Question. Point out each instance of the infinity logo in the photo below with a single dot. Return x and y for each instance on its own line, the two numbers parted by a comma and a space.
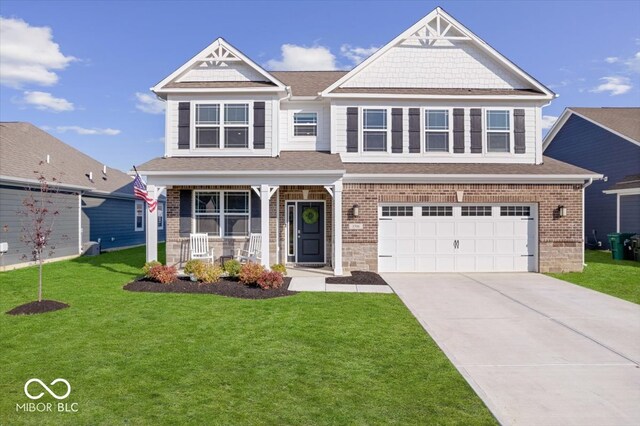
52, 393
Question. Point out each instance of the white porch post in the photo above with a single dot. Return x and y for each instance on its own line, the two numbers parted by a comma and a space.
152, 226
337, 228
264, 223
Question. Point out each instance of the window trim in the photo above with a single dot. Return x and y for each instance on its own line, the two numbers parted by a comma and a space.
222, 126
222, 214
292, 126
160, 209
485, 131
135, 215
361, 130
423, 135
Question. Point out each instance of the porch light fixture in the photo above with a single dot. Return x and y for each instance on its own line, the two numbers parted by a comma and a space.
305, 194
562, 211
356, 210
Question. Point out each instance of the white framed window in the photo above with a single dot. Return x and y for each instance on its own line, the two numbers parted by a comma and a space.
437, 130
160, 216
375, 130
397, 211
476, 211
221, 125
222, 213
305, 124
498, 130
138, 219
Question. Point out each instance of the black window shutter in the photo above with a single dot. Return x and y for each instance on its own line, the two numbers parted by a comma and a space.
185, 212
458, 130
414, 130
476, 130
352, 129
396, 130
255, 212
258, 125
518, 131
184, 124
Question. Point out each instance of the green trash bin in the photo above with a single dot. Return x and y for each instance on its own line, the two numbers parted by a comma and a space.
616, 241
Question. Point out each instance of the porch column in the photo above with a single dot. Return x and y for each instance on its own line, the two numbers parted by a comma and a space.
152, 226
264, 223
337, 228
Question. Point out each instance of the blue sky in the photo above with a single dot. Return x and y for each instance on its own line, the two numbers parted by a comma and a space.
91, 90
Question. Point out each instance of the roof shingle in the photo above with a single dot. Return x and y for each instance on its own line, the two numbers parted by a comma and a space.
625, 121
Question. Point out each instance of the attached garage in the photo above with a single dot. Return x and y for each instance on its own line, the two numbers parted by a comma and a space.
457, 237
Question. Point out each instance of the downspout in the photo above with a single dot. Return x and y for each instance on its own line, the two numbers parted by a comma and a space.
584, 186
277, 122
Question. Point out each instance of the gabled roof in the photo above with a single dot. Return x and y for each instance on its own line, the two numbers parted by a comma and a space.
218, 51
461, 33
621, 121
24, 146
307, 83
627, 185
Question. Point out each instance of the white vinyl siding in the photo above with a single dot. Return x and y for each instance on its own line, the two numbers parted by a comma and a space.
290, 142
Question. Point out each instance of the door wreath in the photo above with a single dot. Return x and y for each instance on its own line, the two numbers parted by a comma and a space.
310, 215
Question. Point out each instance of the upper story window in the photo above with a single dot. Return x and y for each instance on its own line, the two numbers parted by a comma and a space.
498, 130
374, 130
305, 124
231, 132
436, 124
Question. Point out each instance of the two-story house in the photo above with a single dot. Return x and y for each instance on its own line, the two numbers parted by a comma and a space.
427, 156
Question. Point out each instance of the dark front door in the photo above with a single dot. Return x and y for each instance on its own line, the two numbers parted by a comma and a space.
310, 232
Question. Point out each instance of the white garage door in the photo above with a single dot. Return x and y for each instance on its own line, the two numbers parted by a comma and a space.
457, 238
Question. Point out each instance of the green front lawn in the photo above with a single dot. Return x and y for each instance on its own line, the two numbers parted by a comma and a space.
151, 358
619, 278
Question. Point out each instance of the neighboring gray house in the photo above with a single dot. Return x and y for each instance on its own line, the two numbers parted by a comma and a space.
607, 141
96, 203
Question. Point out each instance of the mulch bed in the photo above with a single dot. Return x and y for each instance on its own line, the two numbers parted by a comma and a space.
224, 287
38, 307
358, 277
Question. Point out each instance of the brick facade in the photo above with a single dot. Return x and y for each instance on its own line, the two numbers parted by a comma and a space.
560, 238
560, 242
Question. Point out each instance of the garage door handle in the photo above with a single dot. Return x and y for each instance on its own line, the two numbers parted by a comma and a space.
526, 255
385, 255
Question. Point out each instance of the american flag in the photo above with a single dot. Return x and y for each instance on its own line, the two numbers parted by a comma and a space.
140, 191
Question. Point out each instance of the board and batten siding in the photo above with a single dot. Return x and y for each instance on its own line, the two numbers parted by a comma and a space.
171, 125
112, 220
533, 133
587, 145
65, 235
289, 142
444, 65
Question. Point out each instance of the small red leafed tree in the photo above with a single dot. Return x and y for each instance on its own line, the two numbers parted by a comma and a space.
39, 211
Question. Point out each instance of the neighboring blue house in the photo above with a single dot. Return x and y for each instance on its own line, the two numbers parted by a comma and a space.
607, 141
95, 202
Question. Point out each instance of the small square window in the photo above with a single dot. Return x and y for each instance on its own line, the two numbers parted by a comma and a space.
305, 124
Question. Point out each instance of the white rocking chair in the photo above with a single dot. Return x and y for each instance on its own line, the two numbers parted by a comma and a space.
199, 246
253, 253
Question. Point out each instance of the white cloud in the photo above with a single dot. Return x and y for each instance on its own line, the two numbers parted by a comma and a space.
301, 58
28, 54
633, 63
357, 54
45, 101
615, 85
85, 131
611, 59
548, 121
149, 104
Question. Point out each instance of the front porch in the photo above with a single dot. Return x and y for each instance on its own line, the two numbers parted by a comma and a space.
297, 223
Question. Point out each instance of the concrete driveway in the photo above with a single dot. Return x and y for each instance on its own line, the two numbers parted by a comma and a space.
538, 351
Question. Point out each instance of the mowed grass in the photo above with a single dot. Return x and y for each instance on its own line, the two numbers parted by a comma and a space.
619, 278
168, 359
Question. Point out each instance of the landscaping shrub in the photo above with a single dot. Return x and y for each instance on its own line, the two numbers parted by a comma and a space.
208, 273
250, 273
270, 279
232, 267
163, 274
279, 267
147, 267
193, 266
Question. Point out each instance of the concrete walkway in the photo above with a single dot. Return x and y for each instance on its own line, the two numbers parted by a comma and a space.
537, 350
318, 284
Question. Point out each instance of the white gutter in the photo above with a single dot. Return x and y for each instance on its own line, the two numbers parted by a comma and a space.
241, 173
419, 96
586, 184
14, 179
464, 178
